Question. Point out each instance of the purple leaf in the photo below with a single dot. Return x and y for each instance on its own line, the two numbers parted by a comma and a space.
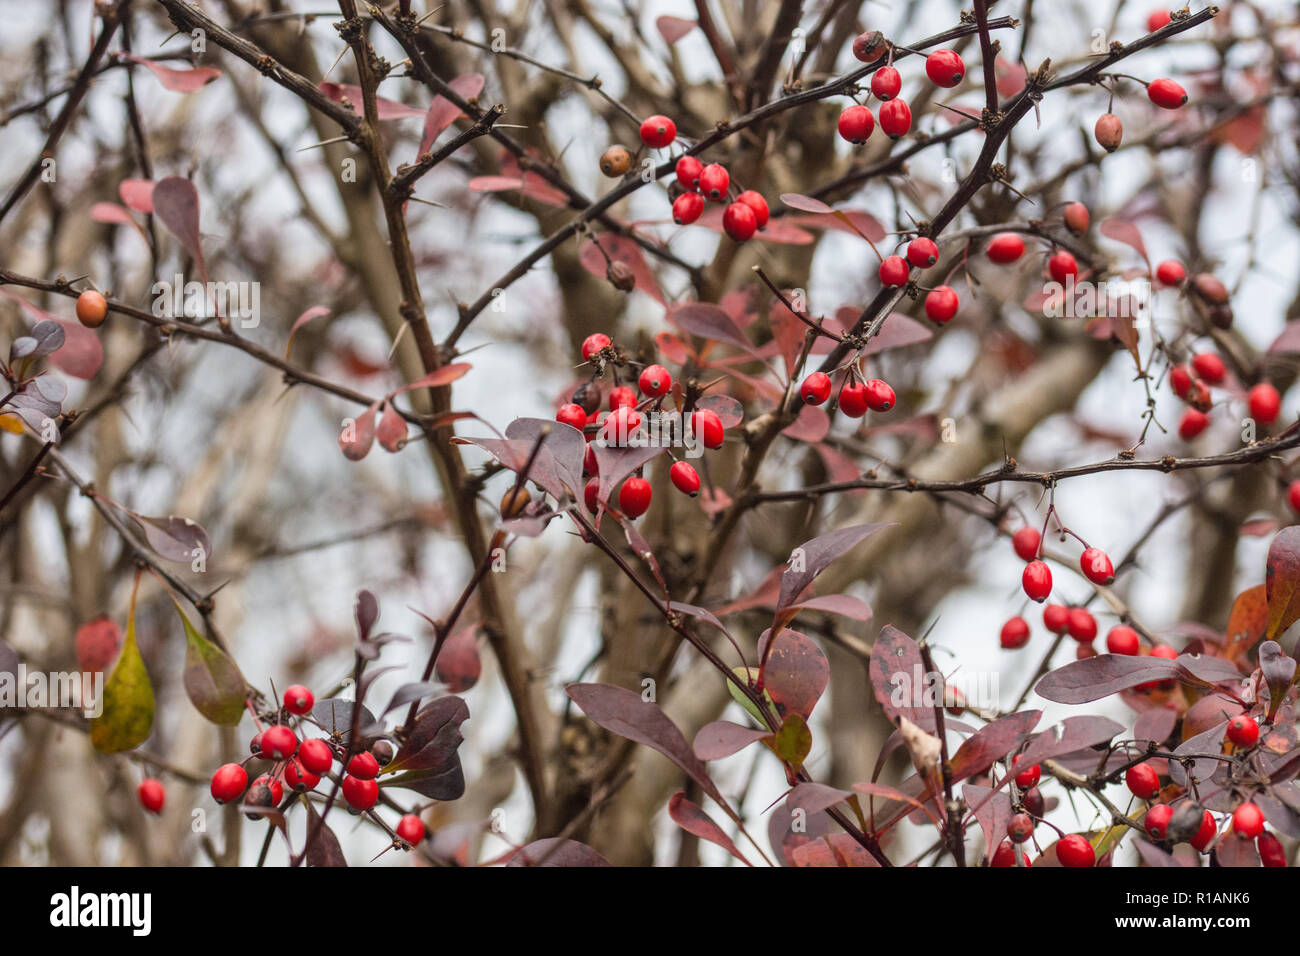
459, 665
896, 663
176, 539
1071, 734
806, 203
1081, 682
622, 712
324, 849
897, 331
796, 673
692, 818
991, 743
813, 557
815, 797
730, 411
433, 741
842, 604
992, 809
176, 203
722, 738
710, 322
553, 851
443, 112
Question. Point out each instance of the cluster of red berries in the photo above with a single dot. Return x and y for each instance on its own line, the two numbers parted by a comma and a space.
1192, 383
624, 420
855, 397
1071, 850
856, 124
300, 765
746, 213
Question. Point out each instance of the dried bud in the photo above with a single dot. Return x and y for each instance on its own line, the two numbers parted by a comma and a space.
1210, 289
514, 501
587, 397
615, 161
1221, 316
1077, 218
620, 276
1185, 822
924, 748
1109, 132
868, 46
259, 795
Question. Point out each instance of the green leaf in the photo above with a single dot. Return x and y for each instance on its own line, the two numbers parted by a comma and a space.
748, 675
793, 742
127, 716
212, 680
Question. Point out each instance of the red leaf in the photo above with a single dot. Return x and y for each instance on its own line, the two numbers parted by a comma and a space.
356, 439
459, 665
552, 851
895, 656
438, 377
443, 112
137, 194
1127, 233
176, 203
813, 557
673, 29
836, 849
1282, 581
991, 743
391, 431
806, 204
113, 213
730, 411
811, 426
179, 81
315, 312
387, 109
1010, 77
673, 348
992, 809
694, 820
815, 797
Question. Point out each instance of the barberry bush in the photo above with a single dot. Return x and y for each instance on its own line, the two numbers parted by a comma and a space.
799, 433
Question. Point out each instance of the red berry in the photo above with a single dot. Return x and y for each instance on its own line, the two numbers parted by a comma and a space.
688, 171
152, 795
279, 742
589, 464
1180, 380
1157, 19
299, 779
1143, 781
739, 221
572, 415
1032, 799
853, 400
707, 427
1026, 542
263, 792
1209, 367
1082, 625
1004, 855
1076, 218
1020, 827
895, 118
658, 132
1109, 132
856, 124
1056, 618
315, 756
654, 381
1122, 639
410, 828
590, 494
885, 83
869, 46
1170, 272
364, 766
1165, 652
1156, 821
893, 271
1037, 581
1247, 821
360, 794
941, 303
634, 497
1084, 650
1198, 396
1293, 496
255, 747
1193, 423
816, 388
1028, 777
1075, 850
945, 68
593, 344
92, 309
687, 208
714, 180
922, 252
1265, 403
1270, 850
1005, 247
1243, 730
1062, 265
621, 424
880, 397
1166, 94
1015, 633
685, 478
228, 782
1096, 566
755, 201
298, 700
621, 395
1206, 832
